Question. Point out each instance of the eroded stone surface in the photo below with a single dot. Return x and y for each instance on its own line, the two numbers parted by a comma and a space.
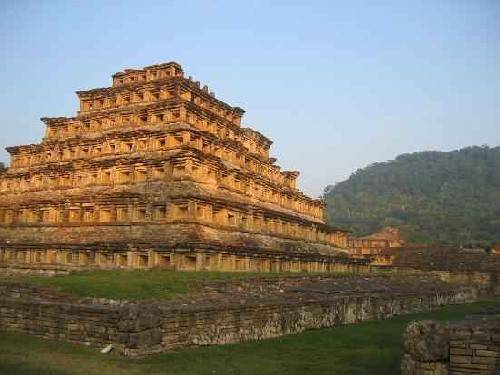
467, 347
224, 312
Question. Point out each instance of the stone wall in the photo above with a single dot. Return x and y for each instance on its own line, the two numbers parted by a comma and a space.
229, 314
468, 347
44, 312
97, 322
486, 281
446, 258
231, 325
457, 263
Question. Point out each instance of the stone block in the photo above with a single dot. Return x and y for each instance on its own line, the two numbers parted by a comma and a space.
486, 353
458, 344
478, 346
460, 359
460, 351
427, 341
485, 360
469, 368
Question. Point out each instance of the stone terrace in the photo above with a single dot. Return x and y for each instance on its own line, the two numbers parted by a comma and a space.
230, 312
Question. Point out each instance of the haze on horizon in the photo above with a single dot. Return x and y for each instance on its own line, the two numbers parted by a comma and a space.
336, 85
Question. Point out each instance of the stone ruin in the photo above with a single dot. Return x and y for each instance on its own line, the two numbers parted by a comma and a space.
470, 346
224, 312
156, 172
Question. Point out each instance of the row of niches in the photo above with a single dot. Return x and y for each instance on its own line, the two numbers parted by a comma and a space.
183, 169
120, 147
132, 76
125, 98
194, 261
154, 118
124, 145
113, 100
190, 210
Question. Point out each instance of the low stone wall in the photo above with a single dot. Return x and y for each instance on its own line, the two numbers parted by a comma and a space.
467, 347
97, 322
233, 313
486, 281
215, 325
457, 262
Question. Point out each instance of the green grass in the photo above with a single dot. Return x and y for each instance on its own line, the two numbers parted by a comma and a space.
135, 285
366, 348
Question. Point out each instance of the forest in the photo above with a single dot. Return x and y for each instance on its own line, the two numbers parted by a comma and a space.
433, 197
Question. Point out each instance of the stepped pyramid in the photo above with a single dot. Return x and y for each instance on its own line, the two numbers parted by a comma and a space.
156, 172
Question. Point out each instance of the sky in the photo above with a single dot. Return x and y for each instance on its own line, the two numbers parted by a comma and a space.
337, 85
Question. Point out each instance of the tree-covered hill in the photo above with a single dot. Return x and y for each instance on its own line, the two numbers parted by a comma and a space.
434, 197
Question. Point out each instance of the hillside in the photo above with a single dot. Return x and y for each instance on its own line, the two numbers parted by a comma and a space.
435, 197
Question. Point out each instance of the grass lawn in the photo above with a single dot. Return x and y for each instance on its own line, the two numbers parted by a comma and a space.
135, 285
365, 348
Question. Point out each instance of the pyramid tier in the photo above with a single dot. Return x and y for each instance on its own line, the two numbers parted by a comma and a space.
158, 204
120, 158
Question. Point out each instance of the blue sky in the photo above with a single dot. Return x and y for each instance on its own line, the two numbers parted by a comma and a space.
336, 84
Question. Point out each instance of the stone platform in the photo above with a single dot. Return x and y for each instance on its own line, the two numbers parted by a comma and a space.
224, 313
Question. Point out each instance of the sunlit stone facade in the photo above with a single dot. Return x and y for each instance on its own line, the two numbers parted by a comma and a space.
379, 248
156, 172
